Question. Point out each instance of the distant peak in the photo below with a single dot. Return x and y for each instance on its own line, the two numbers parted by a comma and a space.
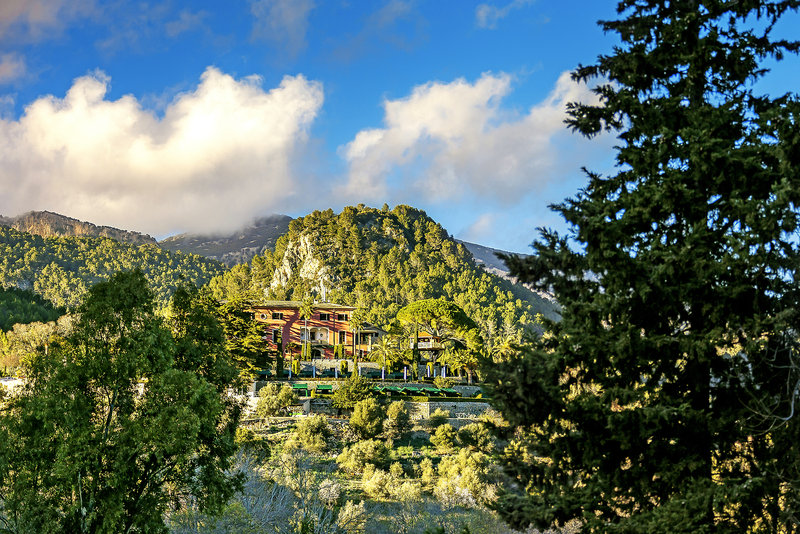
47, 224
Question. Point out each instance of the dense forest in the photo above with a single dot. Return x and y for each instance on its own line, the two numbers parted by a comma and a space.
61, 269
380, 260
21, 306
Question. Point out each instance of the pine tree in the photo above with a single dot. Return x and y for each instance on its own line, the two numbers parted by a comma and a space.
664, 401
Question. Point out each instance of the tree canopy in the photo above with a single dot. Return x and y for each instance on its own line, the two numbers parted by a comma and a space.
380, 261
121, 419
18, 306
438, 317
61, 269
665, 399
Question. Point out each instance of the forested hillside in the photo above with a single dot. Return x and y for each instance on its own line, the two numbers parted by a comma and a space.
381, 260
61, 269
21, 306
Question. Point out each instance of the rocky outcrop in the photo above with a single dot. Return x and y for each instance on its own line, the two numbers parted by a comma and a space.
299, 259
49, 224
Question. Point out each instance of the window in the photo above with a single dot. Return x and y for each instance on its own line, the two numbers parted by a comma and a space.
341, 316
324, 316
263, 316
276, 335
277, 315
342, 337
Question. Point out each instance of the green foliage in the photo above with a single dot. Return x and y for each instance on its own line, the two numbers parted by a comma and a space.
356, 457
252, 443
110, 425
20, 344
443, 382
61, 269
367, 418
444, 438
243, 337
383, 261
273, 399
312, 433
23, 307
352, 390
427, 473
379, 484
438, 418
464, 480
398, 422
476, 436
439, 317
658, 402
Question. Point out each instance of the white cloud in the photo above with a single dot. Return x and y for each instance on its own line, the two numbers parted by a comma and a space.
12, 67
480, 230
282, 21
222, 154
457, 141
37, 19
396, 23
186, 21
487, 16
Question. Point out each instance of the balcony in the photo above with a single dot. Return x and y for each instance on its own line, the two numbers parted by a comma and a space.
427, 345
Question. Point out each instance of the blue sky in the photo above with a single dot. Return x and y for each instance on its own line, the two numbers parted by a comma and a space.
174, 116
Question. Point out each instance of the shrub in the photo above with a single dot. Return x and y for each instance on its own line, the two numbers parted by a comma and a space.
312, 433
444, 438
352, 390
398, 421
396, 470
273, 398
355, 458
379, 484
438, 417
367, 418
427, 472
476, 436
408, 491
443, 382
252, 443
463, 480
329, 491
352, 517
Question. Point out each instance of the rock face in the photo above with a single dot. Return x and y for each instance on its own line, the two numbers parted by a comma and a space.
487, 257
299, 258
49, 224
232, 249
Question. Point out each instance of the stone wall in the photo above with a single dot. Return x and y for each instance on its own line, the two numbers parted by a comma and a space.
458, 410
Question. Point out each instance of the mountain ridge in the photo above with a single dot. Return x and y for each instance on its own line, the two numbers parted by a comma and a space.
49, 224
235, 248
230, 249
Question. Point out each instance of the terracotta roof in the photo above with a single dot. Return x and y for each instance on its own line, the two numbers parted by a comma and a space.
296, 304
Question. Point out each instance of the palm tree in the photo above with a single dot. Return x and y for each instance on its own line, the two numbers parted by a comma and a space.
384, 349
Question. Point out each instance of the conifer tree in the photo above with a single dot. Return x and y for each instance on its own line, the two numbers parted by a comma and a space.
665, 399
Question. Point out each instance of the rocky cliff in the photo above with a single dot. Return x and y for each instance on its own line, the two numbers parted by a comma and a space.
49, 224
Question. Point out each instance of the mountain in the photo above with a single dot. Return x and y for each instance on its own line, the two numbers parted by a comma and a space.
48, 224
243, 245
62, 268
487, 258
379, 261
240, 247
